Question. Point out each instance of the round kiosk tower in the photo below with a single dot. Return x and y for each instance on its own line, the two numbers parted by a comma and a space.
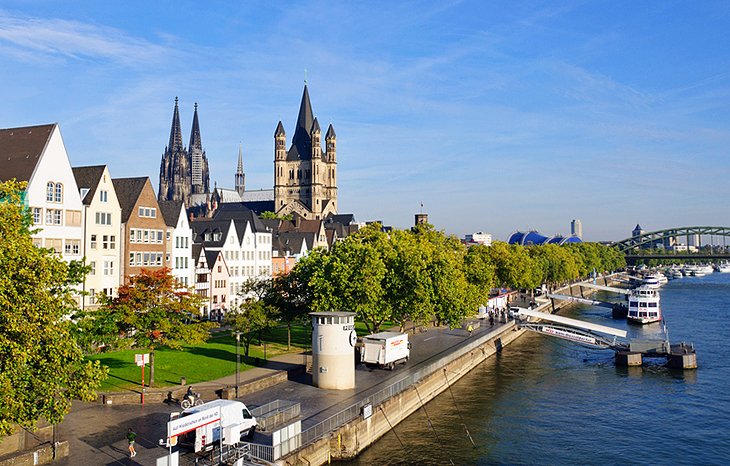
333, 350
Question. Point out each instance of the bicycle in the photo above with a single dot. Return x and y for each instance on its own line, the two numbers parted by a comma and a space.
188, 402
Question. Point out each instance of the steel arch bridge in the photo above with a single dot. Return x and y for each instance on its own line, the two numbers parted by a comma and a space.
659, 236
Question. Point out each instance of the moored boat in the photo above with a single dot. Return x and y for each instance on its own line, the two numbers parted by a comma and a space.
644, 305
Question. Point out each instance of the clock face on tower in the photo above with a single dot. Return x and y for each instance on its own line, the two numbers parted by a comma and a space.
353, 338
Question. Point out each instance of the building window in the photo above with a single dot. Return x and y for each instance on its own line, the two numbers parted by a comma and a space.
54, 243
92, 265
93, 242
159, 236
103, 218
73, 247
59, 193
103, 196
149, 212
107, 242
108, 267
50, 188
37, 215
73, 218
139, 236
92, 296
53, 216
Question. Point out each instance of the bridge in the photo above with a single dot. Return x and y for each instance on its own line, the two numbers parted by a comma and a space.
669, 236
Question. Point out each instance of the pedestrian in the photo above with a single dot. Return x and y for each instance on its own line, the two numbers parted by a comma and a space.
470, 329
491, 321
131, 435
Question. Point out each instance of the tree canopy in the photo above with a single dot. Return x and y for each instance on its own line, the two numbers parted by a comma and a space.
41, 366
149, 311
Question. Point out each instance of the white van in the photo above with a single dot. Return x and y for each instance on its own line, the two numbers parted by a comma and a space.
235, 420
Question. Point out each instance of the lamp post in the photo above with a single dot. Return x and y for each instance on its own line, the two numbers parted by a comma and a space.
238, 357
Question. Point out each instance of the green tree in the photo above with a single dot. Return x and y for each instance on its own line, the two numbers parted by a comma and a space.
288, 296
41, 366
151, 311
253, 315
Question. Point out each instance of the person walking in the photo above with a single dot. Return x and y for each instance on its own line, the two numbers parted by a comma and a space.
131, 436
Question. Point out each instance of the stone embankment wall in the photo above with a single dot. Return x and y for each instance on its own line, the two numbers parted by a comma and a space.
352, 438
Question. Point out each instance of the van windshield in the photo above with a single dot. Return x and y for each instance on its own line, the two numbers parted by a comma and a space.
246, 414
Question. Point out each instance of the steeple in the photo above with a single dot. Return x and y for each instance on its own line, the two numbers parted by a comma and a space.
195, 142
301, 138
240, 177
330, 132
176, 144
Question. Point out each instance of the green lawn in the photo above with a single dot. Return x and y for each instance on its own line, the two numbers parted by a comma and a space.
211, 360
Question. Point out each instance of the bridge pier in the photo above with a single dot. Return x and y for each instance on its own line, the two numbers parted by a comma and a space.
629, 358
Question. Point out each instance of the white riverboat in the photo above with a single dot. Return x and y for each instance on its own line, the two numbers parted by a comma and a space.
644, 305
651, 281
724, 267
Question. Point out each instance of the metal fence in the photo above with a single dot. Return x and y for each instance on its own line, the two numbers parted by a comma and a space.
353, 411
276, 413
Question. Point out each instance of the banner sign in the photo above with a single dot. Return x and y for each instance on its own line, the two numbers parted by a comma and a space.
192, 421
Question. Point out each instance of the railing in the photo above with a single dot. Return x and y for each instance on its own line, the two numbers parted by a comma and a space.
353, 411
261, 452
275, 413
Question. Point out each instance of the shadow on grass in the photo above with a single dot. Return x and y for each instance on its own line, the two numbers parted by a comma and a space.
214, 353
113, 363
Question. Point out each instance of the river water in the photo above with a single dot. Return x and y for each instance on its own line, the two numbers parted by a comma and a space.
549, 401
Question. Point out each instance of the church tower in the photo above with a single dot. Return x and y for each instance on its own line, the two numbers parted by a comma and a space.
240, 176
175, 174
183, 172
304, 176
198, 160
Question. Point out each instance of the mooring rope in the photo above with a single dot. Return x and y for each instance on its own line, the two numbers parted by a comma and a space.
438, 438
456, 406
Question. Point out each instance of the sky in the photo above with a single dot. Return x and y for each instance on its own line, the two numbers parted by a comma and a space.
494, 116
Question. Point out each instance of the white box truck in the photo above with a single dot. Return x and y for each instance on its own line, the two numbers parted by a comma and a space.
234, 422
385, 349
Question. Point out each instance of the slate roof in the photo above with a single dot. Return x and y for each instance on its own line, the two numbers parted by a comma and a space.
201, 227
288, 241
238, 211
259, 207
88, 177
170, 211
301, 148
128, 191
21, 149
212, 258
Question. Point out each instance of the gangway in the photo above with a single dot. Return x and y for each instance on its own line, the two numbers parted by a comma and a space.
605, 288
577, 299
628, 352
586, 333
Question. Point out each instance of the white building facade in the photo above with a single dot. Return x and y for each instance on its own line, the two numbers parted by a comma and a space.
102, 231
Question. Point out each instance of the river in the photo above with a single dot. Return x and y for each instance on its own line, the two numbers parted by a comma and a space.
549, 401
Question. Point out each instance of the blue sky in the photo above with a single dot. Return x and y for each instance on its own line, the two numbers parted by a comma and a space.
496, 116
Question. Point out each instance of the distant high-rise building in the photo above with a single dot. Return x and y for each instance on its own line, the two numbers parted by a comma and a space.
478, 238
576, 228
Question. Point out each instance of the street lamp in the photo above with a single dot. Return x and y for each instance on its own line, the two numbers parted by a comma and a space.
238, 357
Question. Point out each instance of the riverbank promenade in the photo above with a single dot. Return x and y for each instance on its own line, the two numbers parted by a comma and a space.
95, 432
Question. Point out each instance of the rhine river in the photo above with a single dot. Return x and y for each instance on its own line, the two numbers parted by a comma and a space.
549, 401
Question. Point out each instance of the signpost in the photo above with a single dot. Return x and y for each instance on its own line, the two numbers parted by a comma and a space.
141, 360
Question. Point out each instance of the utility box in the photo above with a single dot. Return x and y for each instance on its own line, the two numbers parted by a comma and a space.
333, 350
385, 349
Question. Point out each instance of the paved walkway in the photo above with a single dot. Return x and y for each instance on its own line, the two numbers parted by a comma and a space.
96, 432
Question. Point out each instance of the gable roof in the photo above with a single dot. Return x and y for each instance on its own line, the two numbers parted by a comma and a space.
239, 212
21, 149
128, 191
88, 177
170, 211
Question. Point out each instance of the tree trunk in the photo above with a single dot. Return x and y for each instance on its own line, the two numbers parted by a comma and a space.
259, 335
152, 367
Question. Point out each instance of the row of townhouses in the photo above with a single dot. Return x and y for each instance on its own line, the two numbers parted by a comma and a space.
119, 227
